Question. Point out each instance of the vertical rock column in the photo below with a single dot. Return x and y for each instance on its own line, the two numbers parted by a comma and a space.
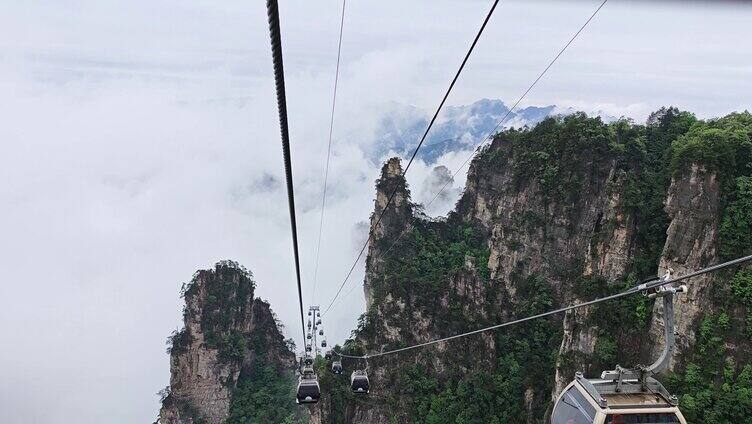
395, 221
223, 324
607, 256
693, 205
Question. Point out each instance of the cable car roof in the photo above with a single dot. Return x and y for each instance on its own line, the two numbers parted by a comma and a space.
629, 394
631, 400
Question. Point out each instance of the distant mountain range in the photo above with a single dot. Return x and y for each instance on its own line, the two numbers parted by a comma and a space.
457, 128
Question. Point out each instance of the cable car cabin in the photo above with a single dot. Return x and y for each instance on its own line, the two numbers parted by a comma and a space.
626, 395
337, 367
321, 332
323, 343
359, 382
328, 353
308, 389
598, 402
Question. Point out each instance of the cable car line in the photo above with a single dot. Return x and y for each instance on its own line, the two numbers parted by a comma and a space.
644, 287
272, 10
488, 137
417, 148
328, 152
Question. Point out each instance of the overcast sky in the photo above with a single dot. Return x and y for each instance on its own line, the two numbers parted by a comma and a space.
140, 143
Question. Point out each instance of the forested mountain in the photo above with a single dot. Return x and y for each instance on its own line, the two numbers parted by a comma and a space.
230, 362
569, 210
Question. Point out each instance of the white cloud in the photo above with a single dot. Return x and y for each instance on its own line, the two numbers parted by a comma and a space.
438, 193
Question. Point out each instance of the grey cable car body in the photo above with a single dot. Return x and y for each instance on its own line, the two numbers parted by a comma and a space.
359, 383
308, 387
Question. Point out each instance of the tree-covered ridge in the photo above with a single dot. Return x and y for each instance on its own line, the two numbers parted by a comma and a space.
229, 289
230, 359
428, 254
417, 281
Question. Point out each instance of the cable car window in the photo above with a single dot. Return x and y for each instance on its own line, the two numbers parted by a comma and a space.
642, 418
573, 408
308, 390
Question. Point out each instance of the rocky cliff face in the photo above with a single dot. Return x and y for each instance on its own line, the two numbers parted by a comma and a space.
537, 232
561, 213
227, 331
693, 205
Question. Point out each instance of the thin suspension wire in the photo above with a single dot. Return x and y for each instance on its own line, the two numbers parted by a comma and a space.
279, 80
417, 148
490, 135
637, 289
328, 153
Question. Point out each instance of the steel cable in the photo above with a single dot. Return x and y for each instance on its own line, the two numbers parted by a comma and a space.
637, 289
328, 153
272, 9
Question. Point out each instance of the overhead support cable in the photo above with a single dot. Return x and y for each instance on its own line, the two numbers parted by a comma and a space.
279, 81
634, 290
489, 136
417, 148
328, 152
